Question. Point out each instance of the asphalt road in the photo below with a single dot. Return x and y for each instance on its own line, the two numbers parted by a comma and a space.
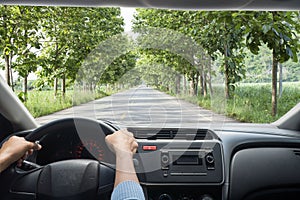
143, 106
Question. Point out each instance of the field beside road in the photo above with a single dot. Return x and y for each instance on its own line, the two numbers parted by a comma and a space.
40, 103
251, 102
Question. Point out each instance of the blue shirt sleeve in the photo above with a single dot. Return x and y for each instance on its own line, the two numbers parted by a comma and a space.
128, 190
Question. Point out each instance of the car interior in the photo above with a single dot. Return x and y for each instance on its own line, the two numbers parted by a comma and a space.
217, 162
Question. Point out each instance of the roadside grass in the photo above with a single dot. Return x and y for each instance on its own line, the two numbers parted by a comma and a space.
251, 102
41, 103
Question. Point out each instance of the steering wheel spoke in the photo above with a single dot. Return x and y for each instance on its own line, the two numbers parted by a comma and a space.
106, 179
24, 184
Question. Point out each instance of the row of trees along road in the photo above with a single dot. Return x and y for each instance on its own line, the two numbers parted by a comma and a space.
57, 40
226, 35
54, 39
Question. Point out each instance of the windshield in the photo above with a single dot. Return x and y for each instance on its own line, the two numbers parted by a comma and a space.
152, 67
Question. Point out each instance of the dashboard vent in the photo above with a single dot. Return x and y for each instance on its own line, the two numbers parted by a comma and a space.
297, 152
167, 133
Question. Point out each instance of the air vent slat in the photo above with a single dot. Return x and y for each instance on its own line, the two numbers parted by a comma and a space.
165, 133
297, 152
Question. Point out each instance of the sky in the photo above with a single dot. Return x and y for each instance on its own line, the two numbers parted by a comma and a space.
127, 14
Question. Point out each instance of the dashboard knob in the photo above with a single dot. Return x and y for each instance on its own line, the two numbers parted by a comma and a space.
186, 197
164, 197
206, 197
210, 159
165, 159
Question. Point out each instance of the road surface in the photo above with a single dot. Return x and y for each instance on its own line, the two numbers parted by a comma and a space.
143, 106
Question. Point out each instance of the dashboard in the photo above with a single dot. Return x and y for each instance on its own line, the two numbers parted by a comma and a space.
193, 164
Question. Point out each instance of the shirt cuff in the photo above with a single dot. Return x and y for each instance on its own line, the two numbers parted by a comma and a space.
128, 190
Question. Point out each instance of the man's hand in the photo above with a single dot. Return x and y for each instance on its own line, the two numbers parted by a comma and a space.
122, 142
124, 145
16, 149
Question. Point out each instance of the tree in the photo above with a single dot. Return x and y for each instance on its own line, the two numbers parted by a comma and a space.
118, 68
278, 31
258, 67
19, 39
221, 38
70, 39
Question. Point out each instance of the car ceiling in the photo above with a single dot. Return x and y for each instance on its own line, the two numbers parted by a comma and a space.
172, 4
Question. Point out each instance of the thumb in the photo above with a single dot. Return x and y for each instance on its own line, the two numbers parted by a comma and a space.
34, 145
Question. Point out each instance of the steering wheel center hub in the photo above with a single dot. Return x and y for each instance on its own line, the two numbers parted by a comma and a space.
70, 179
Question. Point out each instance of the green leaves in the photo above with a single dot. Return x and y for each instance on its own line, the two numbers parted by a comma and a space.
19, 38
73, 33
219, 33
54, 40
279, 32
266, 28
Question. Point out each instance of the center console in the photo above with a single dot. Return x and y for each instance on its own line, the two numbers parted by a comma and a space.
181, 168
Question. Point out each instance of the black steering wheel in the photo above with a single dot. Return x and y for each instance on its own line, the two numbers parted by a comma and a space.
74, 179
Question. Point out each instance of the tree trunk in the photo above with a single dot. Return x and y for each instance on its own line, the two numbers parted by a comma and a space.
192, 87
226, 71
25, 84
280, 79
91, 86
226, 68
194, 84
7, 69
201, 81
178, 80
197, 83
274, 85
184, 85
55, 86
204, 84
209, 77
107, 88
11, 79
63, 86
227, 92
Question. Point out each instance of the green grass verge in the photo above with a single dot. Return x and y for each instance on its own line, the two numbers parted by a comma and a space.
41, 103
251, 102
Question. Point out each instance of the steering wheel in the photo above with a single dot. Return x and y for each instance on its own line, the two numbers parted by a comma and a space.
63, 180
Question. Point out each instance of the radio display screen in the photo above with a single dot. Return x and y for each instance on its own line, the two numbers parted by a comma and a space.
186, 160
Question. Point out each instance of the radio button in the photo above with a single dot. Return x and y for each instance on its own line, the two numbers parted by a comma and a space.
206, 197
165, 173
210, 159
164, 197
165, 159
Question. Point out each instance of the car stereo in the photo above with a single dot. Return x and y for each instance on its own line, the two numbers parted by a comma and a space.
180, 161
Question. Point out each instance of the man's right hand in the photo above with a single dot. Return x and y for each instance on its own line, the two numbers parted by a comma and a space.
122, 142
